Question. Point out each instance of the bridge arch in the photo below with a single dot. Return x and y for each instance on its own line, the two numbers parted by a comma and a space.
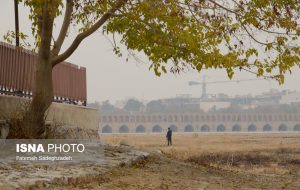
205, 128
221, 128
282, 127
140, 129
267, 127
236, 128
189, 128
124, 129
106, 129
297, 127
156, 129
252, 128
174, 128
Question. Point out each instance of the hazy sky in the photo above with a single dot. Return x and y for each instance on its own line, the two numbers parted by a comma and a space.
112, 78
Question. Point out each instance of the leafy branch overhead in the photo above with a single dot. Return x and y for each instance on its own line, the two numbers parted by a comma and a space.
259, 36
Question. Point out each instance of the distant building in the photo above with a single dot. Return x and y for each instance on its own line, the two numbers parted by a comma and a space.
199, 122
290, 98
213, 105
271, 111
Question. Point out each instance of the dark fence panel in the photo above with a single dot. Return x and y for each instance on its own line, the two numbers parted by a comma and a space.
17, 73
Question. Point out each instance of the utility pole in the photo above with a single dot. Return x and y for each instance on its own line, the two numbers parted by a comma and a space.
17, 22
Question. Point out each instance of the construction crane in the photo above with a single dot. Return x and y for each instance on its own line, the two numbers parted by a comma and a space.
204, 84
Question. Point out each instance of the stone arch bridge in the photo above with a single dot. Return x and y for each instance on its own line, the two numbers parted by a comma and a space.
199, 122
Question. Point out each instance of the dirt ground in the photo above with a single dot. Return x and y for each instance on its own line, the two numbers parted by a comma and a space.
187, 144
163, 173
216, 161
194, 161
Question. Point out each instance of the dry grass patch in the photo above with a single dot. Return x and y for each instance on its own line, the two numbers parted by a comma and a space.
264, 158
271, 153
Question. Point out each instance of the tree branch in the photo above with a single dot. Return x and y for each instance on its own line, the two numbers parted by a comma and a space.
56, 60
64, 28
225, 8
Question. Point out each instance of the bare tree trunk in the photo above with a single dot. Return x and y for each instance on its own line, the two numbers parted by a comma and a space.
34, 118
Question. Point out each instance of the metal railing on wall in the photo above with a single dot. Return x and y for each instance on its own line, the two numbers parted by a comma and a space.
17, 74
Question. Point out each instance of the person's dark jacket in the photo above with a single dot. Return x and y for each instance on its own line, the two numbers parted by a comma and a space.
169, 134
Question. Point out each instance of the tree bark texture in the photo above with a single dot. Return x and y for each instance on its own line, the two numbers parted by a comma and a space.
34, 118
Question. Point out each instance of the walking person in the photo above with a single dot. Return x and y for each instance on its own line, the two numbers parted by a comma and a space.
169, 136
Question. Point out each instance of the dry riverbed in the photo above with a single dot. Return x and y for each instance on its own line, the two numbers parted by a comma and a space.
195, 161
212, 161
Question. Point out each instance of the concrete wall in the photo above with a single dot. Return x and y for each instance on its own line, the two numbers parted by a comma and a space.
9, 105
69, 116
74, 116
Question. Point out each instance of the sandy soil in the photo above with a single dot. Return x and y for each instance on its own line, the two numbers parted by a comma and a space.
14, 175
260, 161
187, 144
195, 161
163, 173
